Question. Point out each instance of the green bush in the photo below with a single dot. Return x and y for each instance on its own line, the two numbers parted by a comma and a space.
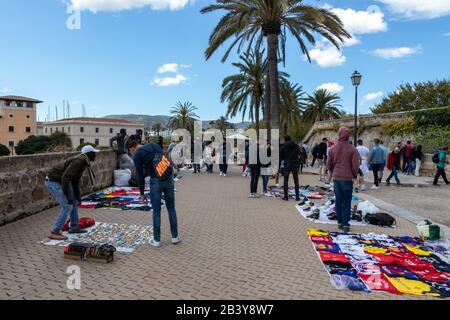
4, 151
85, 144
34, 144
61, 139
433, 137
438, 117
399, 127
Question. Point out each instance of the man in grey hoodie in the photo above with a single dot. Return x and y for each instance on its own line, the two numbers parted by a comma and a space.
343, 165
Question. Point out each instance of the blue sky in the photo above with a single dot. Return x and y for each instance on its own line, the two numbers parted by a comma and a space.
142, 56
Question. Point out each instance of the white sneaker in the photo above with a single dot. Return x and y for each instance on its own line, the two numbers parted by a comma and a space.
221, 174
267, 194
374, 188
224, 175
154, 243
363, 187
176, 240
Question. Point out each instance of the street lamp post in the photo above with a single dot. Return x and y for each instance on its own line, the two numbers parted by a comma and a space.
356, 81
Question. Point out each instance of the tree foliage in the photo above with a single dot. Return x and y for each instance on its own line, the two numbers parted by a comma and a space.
423, 95
34, 144
183, 116
4, 151
61, 139
323, 105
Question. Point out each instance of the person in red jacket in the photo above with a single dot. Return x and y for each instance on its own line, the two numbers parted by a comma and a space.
343, 165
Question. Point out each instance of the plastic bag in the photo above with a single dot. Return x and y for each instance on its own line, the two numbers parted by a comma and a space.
122, 178
367, 207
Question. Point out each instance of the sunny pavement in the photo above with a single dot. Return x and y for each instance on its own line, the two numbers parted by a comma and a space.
233, 248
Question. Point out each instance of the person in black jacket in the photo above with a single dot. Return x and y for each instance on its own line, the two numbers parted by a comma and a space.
314, 152
253, 162
290, 156
418, 158
322, 158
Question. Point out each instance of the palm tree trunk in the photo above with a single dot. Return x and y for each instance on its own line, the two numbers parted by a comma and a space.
267, 103
272, 52
257, 105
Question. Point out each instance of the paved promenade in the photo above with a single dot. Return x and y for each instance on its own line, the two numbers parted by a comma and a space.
233, 248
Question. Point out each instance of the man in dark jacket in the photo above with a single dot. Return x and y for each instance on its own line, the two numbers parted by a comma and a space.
63, 182
290, 155
253, 162
144, 156
322, 158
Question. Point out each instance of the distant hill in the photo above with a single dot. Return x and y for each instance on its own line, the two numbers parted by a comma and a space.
150, 121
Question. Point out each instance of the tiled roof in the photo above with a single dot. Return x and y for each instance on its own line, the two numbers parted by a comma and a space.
19, 98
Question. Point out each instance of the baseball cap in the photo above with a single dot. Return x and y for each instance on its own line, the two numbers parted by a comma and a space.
89, 148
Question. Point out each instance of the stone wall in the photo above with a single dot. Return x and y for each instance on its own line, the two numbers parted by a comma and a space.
22, 189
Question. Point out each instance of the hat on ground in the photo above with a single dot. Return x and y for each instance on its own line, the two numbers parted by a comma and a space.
88, 149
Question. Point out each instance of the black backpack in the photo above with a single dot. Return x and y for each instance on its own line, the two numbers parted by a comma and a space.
436, 158
380, 219
162, 166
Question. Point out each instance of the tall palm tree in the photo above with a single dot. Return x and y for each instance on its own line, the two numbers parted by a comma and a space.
222, 124
292, 105
322, 105
183, 116
157, 127
244, 91
250, 21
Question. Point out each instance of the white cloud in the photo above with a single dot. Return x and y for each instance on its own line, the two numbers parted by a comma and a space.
333, 87
395, 53
447, 34
418, 9
327, 56
373, 96
362, 22
172, 67
5, 90
169, 81
119, 5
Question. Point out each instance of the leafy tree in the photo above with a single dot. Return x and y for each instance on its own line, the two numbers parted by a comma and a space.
157, 127
252, 21
61, 139
34, 144
4, 151
183, 116
423, 95
322, 105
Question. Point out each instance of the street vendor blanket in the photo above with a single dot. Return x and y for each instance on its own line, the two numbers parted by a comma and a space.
377, 262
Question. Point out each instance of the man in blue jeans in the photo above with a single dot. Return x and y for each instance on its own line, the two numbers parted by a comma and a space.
343, 165
143, 157
63, 182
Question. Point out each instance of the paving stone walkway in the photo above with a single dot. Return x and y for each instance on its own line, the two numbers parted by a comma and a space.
233, 248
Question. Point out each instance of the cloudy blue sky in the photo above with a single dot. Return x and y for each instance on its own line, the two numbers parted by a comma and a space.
142, 56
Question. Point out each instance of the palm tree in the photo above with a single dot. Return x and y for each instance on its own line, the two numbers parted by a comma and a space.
183, 116
250, 21
323, 105
292, 105
222, 124
157, 127
243, 91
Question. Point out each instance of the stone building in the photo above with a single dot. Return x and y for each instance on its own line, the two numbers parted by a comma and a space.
17, 120
94, 130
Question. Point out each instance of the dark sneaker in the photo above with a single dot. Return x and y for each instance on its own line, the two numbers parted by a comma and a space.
297, 199
346, 229
285, 199
77, 230
388, 182
340, 226
57, 236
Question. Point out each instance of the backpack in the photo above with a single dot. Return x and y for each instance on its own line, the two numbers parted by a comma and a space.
380, 219
83, 223
436, 159
162, 166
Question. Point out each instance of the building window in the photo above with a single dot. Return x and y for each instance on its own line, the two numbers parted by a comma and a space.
81, 141
11, 116
62, 129
28, 117
11, 129
81, 129
46, 130
8, 103
97, 130
30, 105
111, 130
69, 129
97, 142
51, 130
28, 129
11, 144
19, 104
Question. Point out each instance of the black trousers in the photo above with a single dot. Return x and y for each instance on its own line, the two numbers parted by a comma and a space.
440, 172
255, 172
291, 168
376, 168
314, 161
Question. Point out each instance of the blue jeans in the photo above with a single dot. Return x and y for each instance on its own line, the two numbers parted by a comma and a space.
265, 181
157, 188
344, 192
394, 174
67, 209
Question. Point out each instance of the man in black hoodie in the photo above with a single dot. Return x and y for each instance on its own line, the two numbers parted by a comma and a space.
290, 155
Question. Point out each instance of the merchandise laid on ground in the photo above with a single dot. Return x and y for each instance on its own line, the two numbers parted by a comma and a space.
325, 213
305, 191
122, 198
125, 238
377, 262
